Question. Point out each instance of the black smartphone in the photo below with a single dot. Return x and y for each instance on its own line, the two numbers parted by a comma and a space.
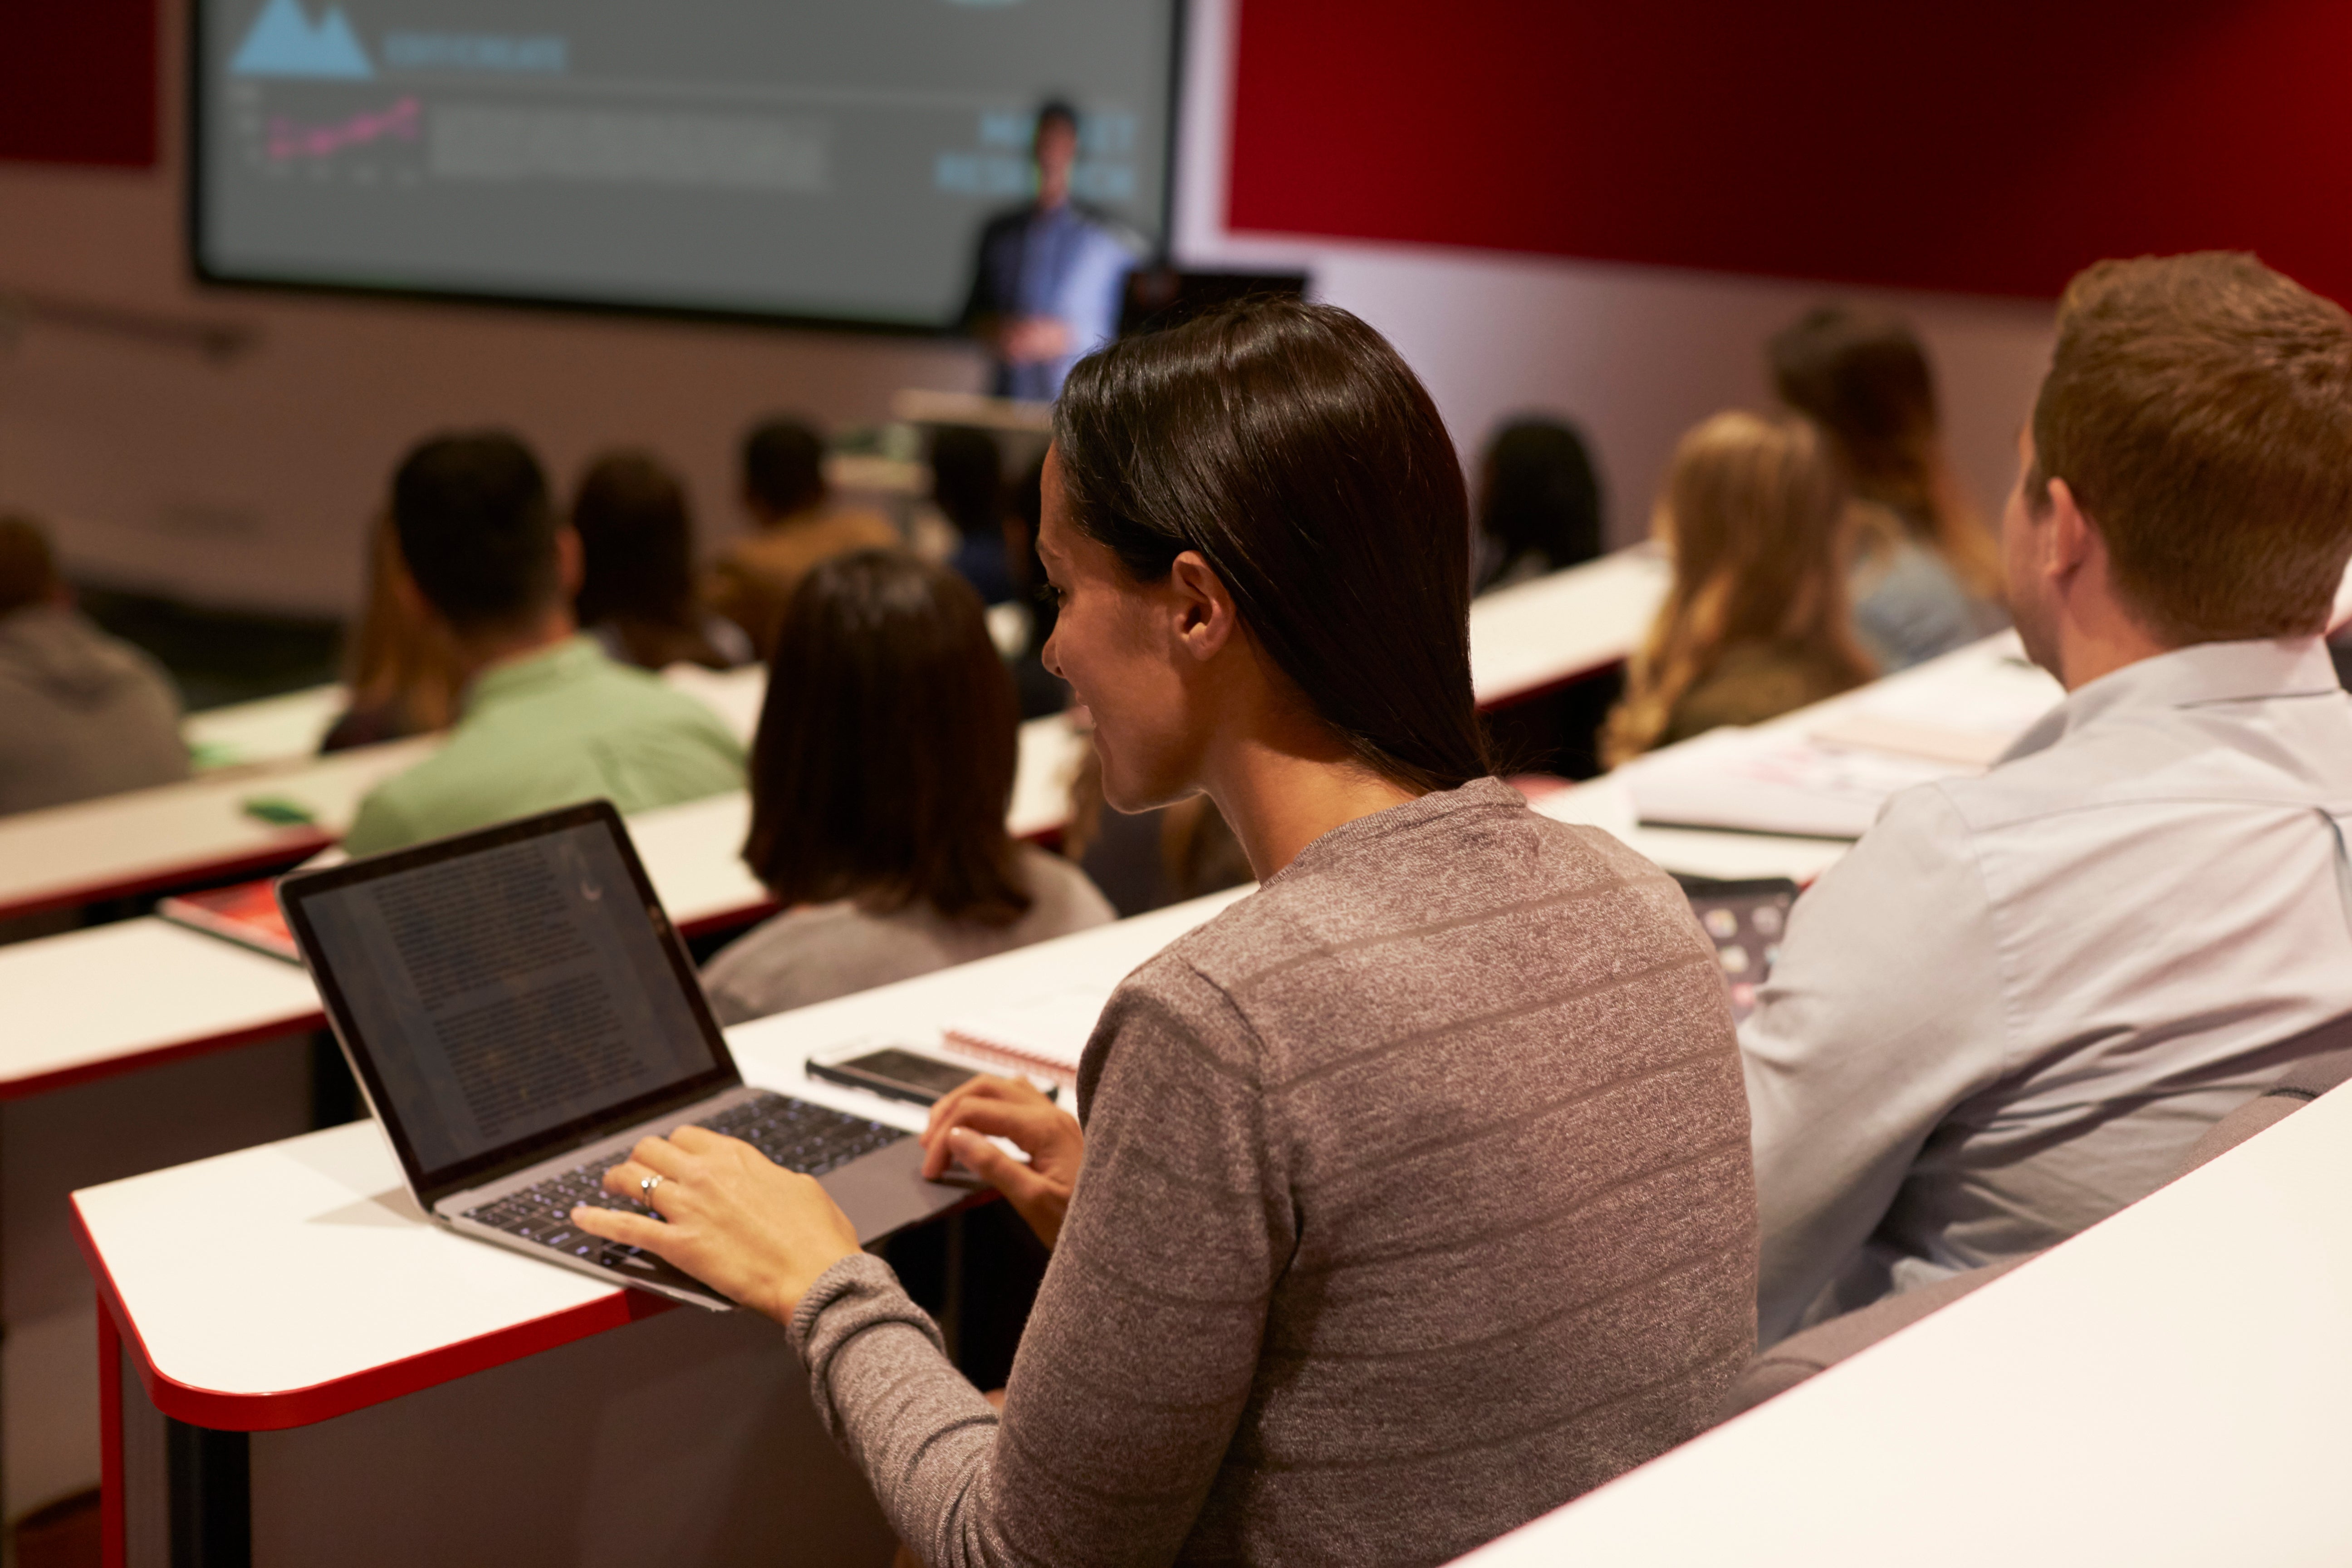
896, 1072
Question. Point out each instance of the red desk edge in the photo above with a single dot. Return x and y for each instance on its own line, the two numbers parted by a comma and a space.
271, 1028
282, 1408
296, 844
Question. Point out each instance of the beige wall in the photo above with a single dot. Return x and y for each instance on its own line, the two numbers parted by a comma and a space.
248, 484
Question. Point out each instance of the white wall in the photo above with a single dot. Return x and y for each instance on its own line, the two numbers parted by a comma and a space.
249, 484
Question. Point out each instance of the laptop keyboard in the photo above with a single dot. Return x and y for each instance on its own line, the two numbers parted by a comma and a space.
795, 1134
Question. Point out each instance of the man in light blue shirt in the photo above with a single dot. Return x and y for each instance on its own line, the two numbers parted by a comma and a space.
1049, 277
547, 719
2018, 1001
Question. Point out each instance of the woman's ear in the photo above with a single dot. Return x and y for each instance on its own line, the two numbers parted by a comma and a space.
1205, 616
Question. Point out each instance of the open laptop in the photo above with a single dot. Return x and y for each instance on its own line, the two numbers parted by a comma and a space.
519, 1011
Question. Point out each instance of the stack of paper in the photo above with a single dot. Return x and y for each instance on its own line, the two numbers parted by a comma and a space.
1749, 780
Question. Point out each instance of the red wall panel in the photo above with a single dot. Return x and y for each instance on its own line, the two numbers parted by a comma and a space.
1993, 146
78, 82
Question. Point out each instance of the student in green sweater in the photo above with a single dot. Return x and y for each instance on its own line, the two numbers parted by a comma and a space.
546, 719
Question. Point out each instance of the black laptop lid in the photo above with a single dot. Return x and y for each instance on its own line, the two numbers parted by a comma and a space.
506, 995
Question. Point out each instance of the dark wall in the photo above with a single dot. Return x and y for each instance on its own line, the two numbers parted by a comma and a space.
78, 82
1983, 146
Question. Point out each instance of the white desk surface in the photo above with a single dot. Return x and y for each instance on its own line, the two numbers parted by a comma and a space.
267, 730
1730, 856
184, 832
116, 996
77, 1005
2170, 1387
198, 829
283, 1284
1539, 635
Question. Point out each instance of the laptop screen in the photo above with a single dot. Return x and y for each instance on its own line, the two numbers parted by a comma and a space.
507, 991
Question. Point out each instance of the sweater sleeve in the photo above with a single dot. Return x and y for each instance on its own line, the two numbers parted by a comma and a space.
1141, 1354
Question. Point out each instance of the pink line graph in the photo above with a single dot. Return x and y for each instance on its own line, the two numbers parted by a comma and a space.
289, 139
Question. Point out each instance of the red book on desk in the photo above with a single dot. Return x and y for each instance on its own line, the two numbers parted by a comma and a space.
246, 913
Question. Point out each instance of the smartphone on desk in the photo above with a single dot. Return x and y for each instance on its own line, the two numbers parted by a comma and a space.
899, 1072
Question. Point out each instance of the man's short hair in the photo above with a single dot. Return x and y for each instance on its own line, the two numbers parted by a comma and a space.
1060, 108
2200, 407
783, 465
27, 570
476, 530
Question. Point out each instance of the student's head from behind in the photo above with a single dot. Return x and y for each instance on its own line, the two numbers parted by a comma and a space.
783, 470
968, 480
1753, 512
2187, 475
883, 766
1056, 149
1255, 522
479, 537
28, 572
637, 541
1540, 496
1863, 376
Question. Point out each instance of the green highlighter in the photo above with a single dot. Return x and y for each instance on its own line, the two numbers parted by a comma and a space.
279, 812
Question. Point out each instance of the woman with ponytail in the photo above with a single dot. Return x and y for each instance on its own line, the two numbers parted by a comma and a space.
1409, 1196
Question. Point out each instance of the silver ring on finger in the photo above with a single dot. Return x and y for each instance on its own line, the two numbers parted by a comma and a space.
645, 1190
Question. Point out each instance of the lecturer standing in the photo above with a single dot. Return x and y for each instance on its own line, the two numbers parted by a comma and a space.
1048, 278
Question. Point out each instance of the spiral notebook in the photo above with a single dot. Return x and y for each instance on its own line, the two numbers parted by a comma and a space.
1044, 1034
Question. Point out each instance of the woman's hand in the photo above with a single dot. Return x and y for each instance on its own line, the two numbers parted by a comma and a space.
741, 1224
974, 1111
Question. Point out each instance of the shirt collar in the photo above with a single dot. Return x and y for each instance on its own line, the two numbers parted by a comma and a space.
548, 668
2189, 677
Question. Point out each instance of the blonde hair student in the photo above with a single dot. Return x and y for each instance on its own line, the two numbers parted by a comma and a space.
1757, 621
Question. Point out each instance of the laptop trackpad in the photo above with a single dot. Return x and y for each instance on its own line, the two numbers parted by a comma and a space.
884, 1190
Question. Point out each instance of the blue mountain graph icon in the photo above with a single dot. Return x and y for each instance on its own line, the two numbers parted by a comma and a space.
284, 43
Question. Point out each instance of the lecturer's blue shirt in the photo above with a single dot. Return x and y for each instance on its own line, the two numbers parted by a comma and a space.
1059, 262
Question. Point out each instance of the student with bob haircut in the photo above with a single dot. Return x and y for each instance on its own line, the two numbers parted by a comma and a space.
2017, 1003
1755, 624
880, 777
1409, 1196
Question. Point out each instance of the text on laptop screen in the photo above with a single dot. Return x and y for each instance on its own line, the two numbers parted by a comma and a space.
508, 993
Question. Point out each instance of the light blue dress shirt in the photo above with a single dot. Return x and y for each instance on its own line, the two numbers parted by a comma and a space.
1059, 262
2009, 1011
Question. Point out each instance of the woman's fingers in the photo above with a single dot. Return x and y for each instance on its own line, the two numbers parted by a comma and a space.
986, 1086
991, 1165
1036, 1198
619, 1225
627, 1180
993, 1119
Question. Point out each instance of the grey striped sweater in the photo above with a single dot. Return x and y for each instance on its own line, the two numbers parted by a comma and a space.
1416, 1202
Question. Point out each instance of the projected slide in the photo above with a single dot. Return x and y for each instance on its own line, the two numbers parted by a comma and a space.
811, 158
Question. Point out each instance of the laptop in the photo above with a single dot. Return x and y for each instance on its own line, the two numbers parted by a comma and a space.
519, 1011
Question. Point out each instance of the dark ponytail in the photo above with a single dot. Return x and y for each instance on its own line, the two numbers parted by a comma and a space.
1291, 446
